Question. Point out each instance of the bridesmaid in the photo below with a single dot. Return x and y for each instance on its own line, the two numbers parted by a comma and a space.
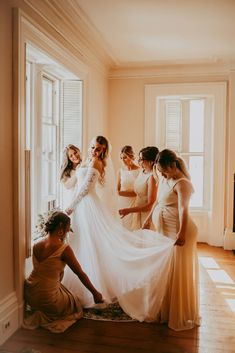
52, 305
126, 177
180, 307
145, 188
71, 161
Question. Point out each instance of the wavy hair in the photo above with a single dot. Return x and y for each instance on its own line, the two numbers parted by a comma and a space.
67, 165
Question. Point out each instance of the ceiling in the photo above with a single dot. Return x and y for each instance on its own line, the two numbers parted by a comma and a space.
164, 32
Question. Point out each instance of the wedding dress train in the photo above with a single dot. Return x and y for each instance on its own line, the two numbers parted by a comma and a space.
140, 269
131, 267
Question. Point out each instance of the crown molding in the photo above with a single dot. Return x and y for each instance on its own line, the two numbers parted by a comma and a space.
165, 71
68, 20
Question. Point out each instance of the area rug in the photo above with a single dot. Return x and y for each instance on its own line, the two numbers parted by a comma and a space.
113, 312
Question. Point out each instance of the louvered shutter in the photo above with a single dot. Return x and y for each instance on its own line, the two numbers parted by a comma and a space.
173, 124
72, 112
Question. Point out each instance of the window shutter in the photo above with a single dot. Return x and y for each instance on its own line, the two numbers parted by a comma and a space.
72, 113
173, 124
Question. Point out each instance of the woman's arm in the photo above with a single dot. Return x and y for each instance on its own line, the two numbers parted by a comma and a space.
90, 178
70, 259
184, 190
148, 221
152, 193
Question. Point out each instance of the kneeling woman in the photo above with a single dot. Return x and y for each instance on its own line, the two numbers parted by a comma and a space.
53, 306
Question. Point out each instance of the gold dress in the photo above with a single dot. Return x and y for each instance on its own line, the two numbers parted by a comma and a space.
141, 190
53, 306
127, 180
180, 307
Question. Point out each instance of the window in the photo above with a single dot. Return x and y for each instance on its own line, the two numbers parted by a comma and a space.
53, 120
183, 122
50, 136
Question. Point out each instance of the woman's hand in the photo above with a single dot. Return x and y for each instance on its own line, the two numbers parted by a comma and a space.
180, 241
98, 297
146, 224
124, 212
68, 211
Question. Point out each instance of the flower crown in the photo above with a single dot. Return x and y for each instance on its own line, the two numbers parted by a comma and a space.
43, 219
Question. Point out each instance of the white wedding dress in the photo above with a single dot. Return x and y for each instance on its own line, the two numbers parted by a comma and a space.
130, 267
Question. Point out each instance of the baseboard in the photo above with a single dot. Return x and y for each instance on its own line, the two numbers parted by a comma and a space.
229, 239
9, 317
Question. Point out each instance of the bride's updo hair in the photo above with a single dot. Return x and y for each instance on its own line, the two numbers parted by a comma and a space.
55, 220
168, 158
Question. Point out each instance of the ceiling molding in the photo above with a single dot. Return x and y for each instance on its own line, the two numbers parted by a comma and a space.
166, 71
67, 19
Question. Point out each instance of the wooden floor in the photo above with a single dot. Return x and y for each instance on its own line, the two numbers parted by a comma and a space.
216, 334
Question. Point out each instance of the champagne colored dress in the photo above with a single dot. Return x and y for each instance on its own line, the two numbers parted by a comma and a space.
141, 190
54, 307
180, 307
127, 180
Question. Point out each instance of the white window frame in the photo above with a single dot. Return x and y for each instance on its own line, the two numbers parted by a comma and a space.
183, 149
211, 222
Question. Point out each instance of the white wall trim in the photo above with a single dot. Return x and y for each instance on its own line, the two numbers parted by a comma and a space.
229, 239
172, 71
217, 90
76, 30
9, 314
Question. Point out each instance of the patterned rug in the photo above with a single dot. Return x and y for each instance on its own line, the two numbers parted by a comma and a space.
112, 312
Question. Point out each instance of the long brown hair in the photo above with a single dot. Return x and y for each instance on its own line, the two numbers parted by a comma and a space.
67, 165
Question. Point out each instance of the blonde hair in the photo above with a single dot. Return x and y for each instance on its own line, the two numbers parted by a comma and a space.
128, 150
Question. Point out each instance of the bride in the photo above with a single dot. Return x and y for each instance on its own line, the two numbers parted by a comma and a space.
131, 267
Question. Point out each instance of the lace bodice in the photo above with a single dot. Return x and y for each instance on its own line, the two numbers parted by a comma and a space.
70, 182
86, 179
